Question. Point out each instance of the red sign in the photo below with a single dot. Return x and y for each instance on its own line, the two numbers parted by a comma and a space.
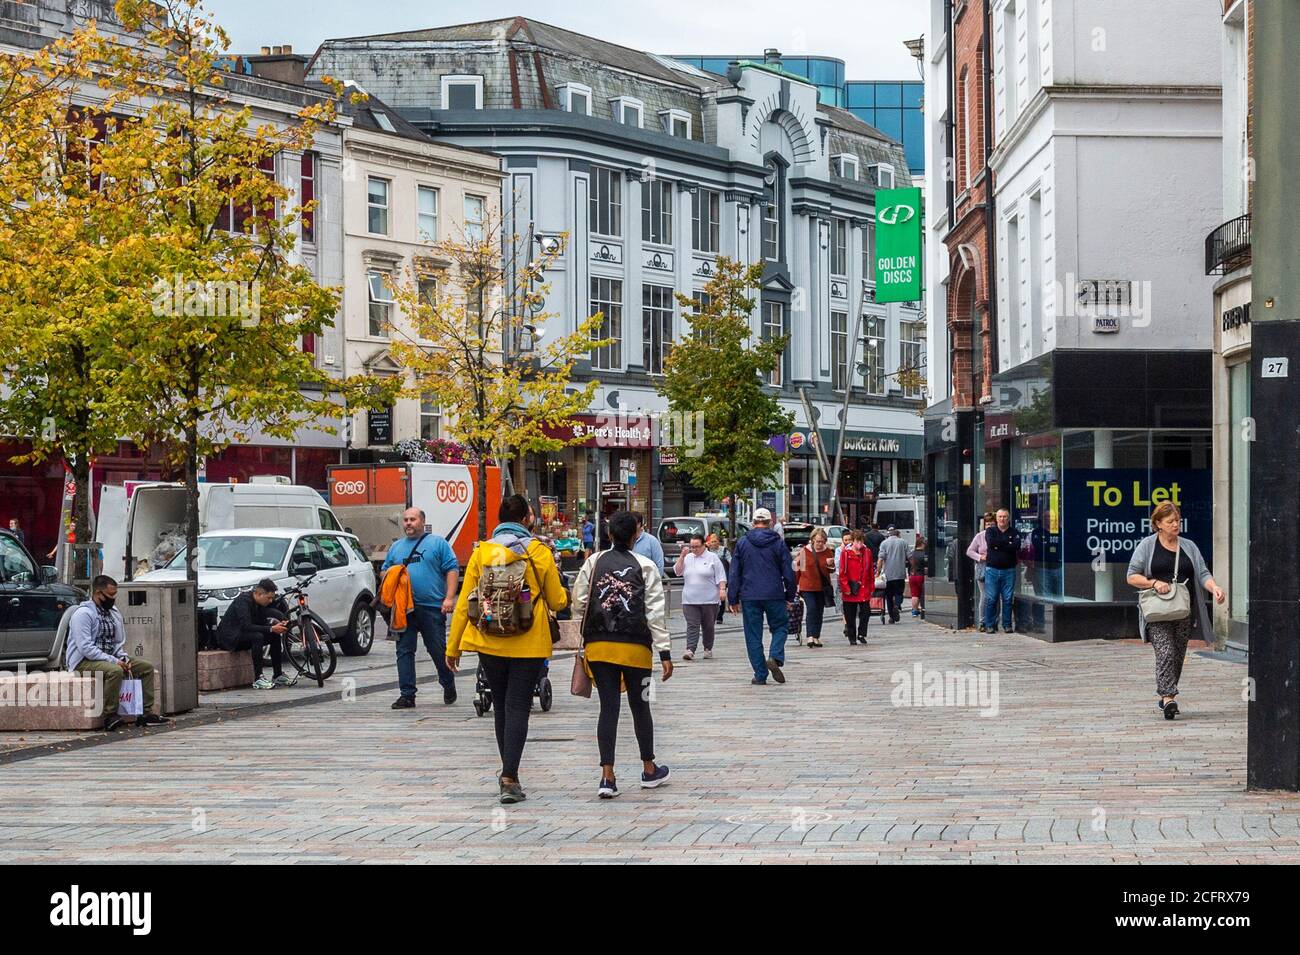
607, 431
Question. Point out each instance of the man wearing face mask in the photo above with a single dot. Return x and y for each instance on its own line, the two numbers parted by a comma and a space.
96, 644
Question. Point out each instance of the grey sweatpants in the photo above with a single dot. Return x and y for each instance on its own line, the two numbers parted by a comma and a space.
700, 616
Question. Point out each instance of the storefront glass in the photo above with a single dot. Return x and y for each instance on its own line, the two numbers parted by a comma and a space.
1083, 500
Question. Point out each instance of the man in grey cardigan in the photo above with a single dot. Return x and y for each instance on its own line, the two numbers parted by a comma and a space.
96, 644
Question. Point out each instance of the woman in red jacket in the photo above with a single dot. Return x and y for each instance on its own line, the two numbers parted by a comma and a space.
857, 580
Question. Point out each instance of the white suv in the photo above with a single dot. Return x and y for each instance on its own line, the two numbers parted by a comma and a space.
233, 561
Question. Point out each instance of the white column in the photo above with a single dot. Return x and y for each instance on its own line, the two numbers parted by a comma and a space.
1103, 456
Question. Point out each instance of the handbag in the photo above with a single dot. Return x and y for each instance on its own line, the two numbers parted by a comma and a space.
580, 684
1164, 608
130, 699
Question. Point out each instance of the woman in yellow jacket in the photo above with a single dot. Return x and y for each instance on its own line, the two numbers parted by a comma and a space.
511, 664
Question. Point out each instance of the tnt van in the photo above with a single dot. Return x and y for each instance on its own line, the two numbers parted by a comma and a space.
370, 499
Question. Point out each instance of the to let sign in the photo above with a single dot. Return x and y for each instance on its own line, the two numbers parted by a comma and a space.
898, 245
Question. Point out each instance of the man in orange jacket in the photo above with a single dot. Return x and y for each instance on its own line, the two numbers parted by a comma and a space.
434, 572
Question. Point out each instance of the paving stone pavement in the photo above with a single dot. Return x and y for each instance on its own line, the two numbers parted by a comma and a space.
1075, 766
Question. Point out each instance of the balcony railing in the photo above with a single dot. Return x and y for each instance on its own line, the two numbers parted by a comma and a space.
1227, 248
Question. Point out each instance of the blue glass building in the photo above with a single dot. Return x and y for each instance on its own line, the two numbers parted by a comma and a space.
892, 106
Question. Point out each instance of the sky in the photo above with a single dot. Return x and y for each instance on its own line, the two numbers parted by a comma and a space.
867, 35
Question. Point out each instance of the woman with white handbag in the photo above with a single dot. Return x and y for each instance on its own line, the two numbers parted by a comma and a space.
1163, 568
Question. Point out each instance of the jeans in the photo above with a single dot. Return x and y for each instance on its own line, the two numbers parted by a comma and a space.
699, 617
432, 625
512, 681
814, 602
778, 618
606, 676
998, 585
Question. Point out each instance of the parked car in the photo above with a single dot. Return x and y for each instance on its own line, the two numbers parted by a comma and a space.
835, 534
796, 534
142, 525
32, 607
675, 531
341, 592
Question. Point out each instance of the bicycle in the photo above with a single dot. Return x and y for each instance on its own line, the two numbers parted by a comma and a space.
307, 641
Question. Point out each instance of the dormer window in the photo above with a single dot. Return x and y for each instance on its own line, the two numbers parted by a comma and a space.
883, 174
846, 166
676, 122
576, 98
627, 110
462, 91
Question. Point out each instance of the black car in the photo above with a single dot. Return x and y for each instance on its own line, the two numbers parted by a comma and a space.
32, 604
797, 533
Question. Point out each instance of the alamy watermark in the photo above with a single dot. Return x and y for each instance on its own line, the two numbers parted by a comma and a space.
922, 687
56, 688
213, 299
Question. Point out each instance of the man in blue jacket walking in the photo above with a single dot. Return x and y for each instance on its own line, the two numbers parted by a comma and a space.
762, 580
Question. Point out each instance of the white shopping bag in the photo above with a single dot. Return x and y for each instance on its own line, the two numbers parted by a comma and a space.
130, 702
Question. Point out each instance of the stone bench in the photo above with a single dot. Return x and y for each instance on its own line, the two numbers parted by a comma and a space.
224, 670
52, 700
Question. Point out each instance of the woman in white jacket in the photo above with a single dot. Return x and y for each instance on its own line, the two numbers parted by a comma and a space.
619, 597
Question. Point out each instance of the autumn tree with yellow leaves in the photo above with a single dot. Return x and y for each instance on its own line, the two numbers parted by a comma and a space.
462, 349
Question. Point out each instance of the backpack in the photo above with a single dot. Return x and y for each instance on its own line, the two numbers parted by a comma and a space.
616, 600
501, 604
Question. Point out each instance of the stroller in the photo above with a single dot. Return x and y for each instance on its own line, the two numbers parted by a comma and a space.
483, 693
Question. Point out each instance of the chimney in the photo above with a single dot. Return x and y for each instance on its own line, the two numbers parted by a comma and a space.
266, 51
288, 48
277, 50
772, 56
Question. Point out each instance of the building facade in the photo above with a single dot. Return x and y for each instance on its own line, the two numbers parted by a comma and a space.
1227, 259
1095, 399
403, 194
645, 170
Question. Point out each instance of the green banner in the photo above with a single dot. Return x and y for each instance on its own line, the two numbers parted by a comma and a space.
898, 245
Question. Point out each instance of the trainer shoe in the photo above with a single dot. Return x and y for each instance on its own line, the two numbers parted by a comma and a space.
449, 695
655, 779
775, 669
757, 682
282, 680
404, 703
511, 793
688, 655
708, 654
262, 683
608, 788
111, 723
151, 719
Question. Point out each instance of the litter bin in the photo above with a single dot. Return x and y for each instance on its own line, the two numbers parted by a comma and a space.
159, 616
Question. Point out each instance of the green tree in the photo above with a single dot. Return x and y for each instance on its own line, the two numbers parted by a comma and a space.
717, 372
220, 304
65, 262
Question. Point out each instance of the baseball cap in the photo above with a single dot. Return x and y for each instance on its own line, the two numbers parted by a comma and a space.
763, 514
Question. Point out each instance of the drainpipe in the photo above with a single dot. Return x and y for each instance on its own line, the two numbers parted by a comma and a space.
990, 216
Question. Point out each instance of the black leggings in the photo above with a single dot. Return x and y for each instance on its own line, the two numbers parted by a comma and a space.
254, 641
512, 681
856, 616
637, 681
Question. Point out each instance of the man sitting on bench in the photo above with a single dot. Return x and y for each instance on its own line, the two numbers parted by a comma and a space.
247, 625
96, 644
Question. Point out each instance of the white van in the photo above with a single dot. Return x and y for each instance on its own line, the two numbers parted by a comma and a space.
142, 526
903, 511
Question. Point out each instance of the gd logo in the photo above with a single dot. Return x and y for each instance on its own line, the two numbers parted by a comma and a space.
349, 487
452, 492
